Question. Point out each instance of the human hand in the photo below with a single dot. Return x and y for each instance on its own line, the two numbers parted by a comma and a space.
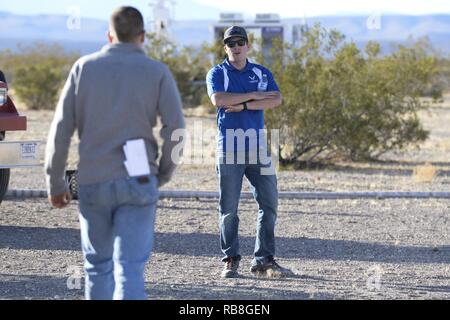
261, 95
60, 201
236, 108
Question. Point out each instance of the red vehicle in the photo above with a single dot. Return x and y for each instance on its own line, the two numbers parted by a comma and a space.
14, 154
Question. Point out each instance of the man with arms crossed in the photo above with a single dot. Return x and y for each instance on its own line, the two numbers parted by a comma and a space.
241, 91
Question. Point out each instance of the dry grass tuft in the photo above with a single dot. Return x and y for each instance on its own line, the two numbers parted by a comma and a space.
445, 144
425, 173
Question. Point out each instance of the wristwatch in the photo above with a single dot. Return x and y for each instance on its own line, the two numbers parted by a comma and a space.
245, 106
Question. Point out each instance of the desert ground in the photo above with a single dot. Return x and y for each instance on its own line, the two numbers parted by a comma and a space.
338, 249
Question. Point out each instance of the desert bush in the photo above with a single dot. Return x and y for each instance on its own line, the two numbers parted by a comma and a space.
340, 101
37, 73
188, 66
337, 99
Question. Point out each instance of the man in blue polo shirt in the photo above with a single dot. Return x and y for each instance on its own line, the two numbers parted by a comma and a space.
241, 91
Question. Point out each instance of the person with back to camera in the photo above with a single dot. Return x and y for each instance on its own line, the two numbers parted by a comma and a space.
112, 98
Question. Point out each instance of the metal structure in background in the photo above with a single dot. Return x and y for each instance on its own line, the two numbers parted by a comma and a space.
162, 16
265, 28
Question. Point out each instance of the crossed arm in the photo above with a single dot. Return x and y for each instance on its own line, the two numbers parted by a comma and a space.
234, 102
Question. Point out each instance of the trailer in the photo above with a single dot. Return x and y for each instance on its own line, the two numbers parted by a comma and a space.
13, 154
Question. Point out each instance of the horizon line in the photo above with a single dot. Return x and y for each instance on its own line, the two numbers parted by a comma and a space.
248, 16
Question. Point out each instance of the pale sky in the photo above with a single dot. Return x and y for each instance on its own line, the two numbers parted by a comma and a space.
296, 8
210, 9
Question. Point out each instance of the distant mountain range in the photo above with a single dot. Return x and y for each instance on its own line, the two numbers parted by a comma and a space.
15, 29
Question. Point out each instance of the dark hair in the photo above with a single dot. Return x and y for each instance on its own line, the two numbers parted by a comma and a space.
127, 23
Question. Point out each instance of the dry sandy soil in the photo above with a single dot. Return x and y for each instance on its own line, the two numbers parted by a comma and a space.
345, 249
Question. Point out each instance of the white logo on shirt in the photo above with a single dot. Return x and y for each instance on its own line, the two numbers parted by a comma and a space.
253, 79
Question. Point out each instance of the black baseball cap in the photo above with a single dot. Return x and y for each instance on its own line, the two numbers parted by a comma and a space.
235, 31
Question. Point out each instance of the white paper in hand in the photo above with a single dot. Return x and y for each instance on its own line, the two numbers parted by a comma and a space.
136, 161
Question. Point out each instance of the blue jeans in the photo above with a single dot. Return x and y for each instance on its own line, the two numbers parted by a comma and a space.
265, 191
117, 226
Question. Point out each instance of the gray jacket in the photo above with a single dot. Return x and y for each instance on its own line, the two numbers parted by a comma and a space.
110, 97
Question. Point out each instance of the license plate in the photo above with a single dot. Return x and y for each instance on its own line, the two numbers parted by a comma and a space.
28, 150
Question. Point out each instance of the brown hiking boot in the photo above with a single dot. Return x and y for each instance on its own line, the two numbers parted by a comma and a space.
230, 268
270, 269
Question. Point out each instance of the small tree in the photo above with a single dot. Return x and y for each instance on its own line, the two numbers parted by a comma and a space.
188, 66
338, 100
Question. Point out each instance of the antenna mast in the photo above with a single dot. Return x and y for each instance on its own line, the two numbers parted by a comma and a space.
162, 16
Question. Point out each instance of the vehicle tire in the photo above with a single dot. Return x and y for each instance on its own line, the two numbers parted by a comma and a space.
4, 181
71, 179
4, 175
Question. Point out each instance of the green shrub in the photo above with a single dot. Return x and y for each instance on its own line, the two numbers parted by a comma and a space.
188, 66
339, 101
38, 73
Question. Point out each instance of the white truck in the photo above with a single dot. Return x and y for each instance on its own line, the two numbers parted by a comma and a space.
13, 154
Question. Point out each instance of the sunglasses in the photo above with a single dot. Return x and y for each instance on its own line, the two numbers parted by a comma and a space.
232, 44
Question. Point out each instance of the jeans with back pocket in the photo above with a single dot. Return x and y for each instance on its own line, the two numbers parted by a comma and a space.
117, 221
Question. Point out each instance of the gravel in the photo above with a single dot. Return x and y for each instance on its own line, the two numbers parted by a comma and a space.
338, 249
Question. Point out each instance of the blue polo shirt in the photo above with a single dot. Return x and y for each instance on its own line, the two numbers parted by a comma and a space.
226, 78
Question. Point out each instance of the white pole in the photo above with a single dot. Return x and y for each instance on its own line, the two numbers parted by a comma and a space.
186, 194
